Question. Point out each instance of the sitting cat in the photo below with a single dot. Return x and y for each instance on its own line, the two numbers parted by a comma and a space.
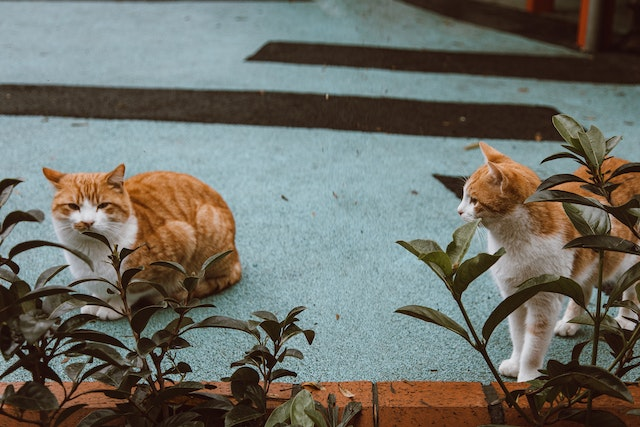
533, 236
169, 216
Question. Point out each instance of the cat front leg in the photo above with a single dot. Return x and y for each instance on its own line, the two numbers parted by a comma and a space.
511, 366
539, 326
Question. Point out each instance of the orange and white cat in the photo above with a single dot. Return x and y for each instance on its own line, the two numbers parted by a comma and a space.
169, 216
533, 236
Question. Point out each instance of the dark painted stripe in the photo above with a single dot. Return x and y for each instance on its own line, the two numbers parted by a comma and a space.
502, 121
511, 20
575, 69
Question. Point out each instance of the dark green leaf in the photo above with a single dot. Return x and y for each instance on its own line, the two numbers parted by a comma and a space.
46, 276
43, 292
596, 418
100, 417
562, 196
99, 351
462, 237
240, 414
33, 396
73, 323
562, 156
559, 179
223, 322
66, 413
209, 262
545, 283
128, 275
145, 346
626, 168
587, 219
472, 268
32, 244
420, 247
292, 315
34, 327
567, 127
16, 217
96, 336
6, 187
271, 328
608, 243
141, 318
434, 316
593, 145
171, 265
98, 237
265, 315
281, 373
242, 378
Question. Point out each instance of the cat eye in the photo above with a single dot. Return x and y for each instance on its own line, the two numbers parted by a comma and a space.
103, 205
473, 201
73, 207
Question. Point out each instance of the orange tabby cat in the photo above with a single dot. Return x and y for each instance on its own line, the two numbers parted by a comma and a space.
533, 236
170, 216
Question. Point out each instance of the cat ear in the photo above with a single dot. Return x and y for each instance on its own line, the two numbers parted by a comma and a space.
496, 173
490, 154
115, 178
53, 176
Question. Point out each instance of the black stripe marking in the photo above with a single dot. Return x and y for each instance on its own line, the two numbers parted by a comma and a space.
574, 69
389, 115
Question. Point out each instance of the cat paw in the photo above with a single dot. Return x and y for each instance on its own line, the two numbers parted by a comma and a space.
509, 368
566, 329
527, 375
100, 312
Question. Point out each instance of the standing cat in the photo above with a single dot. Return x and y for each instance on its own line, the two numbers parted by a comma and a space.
169, 216
533, 236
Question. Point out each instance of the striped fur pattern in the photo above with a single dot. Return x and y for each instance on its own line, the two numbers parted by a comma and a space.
169, 216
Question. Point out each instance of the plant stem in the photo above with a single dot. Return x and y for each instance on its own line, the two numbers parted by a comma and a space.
481, 347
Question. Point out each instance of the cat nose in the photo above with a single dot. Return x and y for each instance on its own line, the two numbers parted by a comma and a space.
83, 225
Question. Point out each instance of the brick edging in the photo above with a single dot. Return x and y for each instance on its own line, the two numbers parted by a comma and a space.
389, 404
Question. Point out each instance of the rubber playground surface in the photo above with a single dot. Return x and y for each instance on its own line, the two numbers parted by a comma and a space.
331, 129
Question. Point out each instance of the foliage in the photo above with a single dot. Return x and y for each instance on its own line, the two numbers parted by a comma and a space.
301, 410
564, 391
261, 364
32, 328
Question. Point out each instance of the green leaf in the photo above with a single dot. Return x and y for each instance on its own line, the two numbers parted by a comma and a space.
434, 316
6, 187
265, 315
32, 244
544, 283
562, 196
624, 282
420, 247
100, 351
596, 418
67, 412
472, 268
171, 265
15, 217
292, 315
43, 292
594, 378
34, 397
47, 275
225, 323
567, 127
462, 237
280, 415
100, 417
555, 180
608, 243
593, 145
209, 262
587, 219
34, 327
141, 318
302, 402
98, 237
240, 414
626, 168
74, 322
